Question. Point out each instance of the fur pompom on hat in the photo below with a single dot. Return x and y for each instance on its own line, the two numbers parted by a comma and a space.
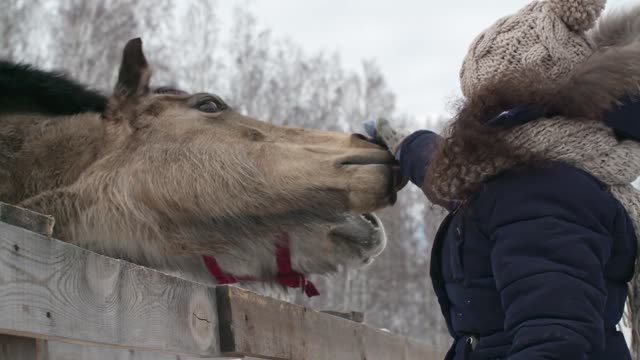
578, 15
545, 37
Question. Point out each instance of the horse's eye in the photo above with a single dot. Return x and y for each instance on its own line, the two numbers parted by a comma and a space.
209, 106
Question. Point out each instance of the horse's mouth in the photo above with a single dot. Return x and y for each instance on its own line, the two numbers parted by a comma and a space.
371, 219
392, 179
375, 157
398, 180
361, 229
363, 234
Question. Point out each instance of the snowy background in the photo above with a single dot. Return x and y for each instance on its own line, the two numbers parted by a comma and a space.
419, 45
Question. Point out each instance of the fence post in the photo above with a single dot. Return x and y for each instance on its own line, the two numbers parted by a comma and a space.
16, 347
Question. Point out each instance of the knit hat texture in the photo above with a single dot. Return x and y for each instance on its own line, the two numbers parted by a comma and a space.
547, 38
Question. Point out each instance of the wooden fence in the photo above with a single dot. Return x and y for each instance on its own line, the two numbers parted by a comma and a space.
61, 302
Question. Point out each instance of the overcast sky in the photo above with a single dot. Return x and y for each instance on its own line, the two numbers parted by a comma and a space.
419, 44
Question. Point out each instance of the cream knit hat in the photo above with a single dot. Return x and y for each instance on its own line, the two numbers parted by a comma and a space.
547, 37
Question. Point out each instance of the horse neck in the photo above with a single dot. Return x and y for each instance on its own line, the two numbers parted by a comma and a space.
46, 152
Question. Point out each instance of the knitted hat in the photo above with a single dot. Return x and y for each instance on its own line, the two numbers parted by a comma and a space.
547, 37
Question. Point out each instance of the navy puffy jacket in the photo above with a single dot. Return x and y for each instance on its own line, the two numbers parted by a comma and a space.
534, 266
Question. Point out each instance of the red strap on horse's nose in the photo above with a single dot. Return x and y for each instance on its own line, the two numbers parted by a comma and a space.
286, 275
214, 269
299, 281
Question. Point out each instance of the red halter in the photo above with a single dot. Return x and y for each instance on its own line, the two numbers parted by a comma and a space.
286, 275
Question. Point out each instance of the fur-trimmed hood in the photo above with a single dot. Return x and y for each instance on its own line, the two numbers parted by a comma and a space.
601, 81
598, 89
609, 74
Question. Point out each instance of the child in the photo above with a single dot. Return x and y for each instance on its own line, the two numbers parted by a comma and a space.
535, 256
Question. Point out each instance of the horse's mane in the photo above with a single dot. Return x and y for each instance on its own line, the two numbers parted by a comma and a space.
24, 88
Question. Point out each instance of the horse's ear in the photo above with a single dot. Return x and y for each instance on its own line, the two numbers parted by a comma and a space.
134, 75
133, 82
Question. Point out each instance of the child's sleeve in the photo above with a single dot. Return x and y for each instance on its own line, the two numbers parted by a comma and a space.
415, 154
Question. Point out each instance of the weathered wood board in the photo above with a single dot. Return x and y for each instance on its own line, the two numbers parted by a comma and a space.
26, 219
253, 325
61, 302
53, 290
56, 350
350, 315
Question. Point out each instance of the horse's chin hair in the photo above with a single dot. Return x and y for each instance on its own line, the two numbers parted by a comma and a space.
192, 268
137, 234
304, 260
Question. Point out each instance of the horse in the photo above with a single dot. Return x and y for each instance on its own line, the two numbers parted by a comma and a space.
183, 183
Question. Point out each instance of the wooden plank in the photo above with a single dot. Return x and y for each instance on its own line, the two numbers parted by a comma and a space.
65, 351
17, 348
349, 315
253, 325
26, 219
53, 290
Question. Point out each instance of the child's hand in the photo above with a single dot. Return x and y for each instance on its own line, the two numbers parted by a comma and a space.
382, 131
414, 152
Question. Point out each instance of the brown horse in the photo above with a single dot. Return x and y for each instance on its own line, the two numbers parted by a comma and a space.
161, 178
